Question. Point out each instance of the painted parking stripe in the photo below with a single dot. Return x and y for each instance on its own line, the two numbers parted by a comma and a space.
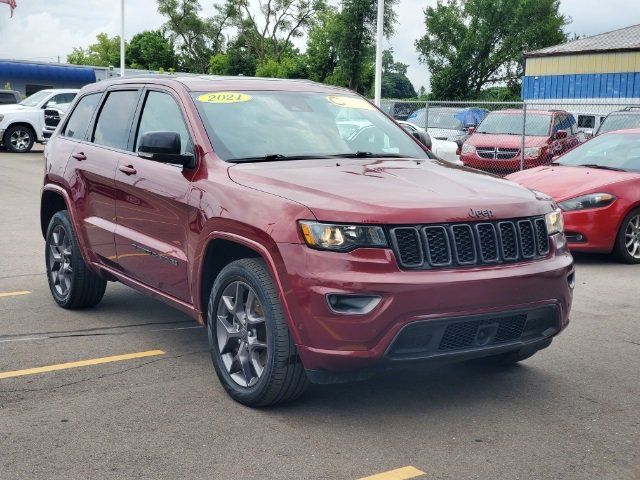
397, 474
81, 363
14, 294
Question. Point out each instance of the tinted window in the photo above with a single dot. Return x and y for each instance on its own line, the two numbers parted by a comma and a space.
112, 127
81, 116
7, 98
62, 98
161, 113
586, 121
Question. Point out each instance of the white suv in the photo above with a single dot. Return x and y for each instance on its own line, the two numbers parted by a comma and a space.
21, 124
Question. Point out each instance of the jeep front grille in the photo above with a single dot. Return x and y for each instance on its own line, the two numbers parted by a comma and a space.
470, 244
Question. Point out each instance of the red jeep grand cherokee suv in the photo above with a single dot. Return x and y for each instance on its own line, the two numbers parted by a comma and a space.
495, 145
309, 256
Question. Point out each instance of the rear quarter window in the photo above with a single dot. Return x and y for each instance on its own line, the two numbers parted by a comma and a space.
79, 119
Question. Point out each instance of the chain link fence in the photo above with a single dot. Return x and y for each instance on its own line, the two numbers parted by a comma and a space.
505, 137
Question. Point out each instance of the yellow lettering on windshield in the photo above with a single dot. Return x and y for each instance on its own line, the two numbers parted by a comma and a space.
350, 102
224, 97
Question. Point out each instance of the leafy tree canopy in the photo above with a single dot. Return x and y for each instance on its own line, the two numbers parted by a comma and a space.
104, 53
151, 50
471, 44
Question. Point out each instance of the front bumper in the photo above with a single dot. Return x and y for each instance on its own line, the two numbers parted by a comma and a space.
328, 341
594, 230
502, 167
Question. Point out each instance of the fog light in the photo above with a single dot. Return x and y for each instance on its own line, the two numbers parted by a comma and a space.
348, 304
571, 280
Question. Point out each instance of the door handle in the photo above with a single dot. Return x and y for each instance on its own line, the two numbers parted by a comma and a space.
127, 169
80, 156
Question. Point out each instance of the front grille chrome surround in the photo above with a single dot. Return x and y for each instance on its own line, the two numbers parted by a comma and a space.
451, 245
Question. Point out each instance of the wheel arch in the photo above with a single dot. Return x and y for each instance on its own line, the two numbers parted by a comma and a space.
221, 248
51, 202
24, 124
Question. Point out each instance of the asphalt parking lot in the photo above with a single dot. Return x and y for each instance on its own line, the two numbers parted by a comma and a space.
570, 412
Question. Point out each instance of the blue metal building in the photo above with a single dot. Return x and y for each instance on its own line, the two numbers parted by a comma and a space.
30, 77
604, 67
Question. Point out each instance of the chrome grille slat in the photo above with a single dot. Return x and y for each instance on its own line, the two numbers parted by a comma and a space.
470, 244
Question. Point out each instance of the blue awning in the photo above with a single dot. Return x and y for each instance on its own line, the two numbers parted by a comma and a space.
43, 73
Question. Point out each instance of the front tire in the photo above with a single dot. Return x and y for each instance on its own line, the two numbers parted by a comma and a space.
251, 347
627, 248
73, 285
19, 139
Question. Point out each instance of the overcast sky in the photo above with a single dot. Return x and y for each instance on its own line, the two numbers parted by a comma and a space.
46, 29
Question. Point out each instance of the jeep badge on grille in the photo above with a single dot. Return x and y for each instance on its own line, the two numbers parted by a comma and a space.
486, 213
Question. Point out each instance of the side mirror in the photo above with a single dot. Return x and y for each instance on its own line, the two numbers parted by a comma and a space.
560, 134
164, 147
423, 138
470, 130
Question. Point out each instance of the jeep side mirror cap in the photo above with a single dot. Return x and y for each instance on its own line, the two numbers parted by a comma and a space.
471, 129
164, 147
560, 134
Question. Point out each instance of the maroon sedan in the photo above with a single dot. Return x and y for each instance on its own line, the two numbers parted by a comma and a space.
310, 253
597, 186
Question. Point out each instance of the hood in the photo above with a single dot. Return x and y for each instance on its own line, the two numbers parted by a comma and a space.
505, 141
389, 191
14, 107
561, 182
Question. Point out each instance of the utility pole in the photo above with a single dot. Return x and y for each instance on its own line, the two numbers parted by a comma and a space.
122, 38
378, 79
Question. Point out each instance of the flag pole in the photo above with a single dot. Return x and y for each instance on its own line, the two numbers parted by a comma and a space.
379, 33
122, 38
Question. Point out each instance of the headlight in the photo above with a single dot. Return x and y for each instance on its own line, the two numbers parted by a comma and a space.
555, 222
467, 148
341, 238
592, 200
532, 152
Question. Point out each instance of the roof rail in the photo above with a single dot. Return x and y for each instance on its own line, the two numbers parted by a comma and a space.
631, 107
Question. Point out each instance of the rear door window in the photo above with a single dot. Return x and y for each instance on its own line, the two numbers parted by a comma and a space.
114, 120
586, 121
81, 116
61, 99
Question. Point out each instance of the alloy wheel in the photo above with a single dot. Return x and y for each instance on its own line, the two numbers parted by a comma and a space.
60, 253
20, 139
241, 333
632, 237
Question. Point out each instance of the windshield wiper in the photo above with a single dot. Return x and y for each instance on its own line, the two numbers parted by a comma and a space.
275, 157
361, 154
603, 167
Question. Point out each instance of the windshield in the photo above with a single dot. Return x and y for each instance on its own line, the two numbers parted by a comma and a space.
438, 118
35, 99
615, 150
255, 124
511, 124
619, 122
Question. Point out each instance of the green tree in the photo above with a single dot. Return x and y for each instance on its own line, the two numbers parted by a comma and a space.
395, 83
197, 39
151, 50
356, 45
472, 44
104, 53
322, 45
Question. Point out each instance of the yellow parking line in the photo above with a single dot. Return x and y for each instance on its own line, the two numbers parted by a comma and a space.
14, 294
81, 363
397, 474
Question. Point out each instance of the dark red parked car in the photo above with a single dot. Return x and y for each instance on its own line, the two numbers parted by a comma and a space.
308, 255
597, 185
496, 144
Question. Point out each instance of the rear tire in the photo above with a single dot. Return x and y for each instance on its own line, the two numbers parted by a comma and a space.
627, 247
73, 285
251, 347
19, 139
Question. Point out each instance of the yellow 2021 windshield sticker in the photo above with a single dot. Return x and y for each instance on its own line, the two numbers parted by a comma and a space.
350, 102
224, 97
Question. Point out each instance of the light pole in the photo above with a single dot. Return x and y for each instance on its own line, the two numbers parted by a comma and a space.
378, 79
122, 38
